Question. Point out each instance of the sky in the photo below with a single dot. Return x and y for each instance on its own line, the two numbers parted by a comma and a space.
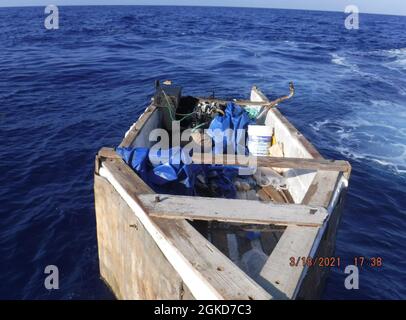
396, 7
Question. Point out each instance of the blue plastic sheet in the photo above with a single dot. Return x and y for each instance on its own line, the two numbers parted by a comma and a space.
172, 176
231, 130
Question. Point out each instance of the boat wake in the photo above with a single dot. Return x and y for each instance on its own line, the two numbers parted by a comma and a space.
398, 57
374, 133
342, 61
372, 67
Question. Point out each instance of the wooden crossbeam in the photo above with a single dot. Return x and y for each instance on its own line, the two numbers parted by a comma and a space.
275, 162
231, 210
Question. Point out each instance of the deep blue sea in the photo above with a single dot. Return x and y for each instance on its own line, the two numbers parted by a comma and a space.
66, 93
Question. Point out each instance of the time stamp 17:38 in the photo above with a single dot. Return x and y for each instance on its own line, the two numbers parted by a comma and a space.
335, 262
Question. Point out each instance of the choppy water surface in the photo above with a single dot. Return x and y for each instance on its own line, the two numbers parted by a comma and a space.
66, 93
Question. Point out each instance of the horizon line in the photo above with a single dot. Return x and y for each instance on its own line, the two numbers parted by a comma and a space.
196, 6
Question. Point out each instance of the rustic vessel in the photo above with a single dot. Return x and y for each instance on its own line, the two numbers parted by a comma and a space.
161, 246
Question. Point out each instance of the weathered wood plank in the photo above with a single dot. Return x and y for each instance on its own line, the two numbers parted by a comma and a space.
295, 242
127, 177
108, 153
127, 253
275, 162
321, 189
274, 194
231, 210
203, 268
263, 196
287, 196
104, 153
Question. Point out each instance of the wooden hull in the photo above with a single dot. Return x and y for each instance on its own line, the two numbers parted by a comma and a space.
144, 256
134, 267
131, 263
315, 279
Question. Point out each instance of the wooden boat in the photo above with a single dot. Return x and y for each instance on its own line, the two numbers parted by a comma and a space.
181, 247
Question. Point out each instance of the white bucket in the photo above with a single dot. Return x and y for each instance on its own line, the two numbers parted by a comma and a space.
259, 140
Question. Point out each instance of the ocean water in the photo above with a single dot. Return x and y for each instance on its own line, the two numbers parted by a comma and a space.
66, 93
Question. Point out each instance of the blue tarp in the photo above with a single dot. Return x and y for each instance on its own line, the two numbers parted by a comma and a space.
236, 119
173, 177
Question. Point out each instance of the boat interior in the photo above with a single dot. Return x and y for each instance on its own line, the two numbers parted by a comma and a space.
260, 248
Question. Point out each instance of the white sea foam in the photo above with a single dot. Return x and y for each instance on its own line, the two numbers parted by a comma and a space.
290, 43
345, 62
397, 52
335, 58
319, 124
342, 61
398, 56
371, 133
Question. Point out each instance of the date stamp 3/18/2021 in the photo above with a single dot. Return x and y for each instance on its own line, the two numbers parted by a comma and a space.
335, 262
